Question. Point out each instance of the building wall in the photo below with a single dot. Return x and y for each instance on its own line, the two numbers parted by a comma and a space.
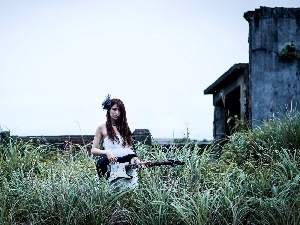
274, 83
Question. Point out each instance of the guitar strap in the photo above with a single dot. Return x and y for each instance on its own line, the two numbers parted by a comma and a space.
102, 163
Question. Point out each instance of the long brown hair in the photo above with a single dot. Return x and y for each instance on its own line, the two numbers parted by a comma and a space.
122, 125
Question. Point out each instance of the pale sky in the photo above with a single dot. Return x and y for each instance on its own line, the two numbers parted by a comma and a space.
60, 58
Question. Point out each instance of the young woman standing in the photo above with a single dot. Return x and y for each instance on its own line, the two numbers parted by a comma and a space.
117, 140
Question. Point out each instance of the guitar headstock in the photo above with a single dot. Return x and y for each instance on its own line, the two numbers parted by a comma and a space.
175, 162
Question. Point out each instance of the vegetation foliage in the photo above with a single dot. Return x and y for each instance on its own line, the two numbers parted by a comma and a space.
255, 180
289, 53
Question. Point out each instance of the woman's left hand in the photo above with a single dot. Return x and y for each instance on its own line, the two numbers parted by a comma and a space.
142, 164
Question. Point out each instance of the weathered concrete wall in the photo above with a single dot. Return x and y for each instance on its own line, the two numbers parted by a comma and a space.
274, 83
64, 141
143, 136
219, 123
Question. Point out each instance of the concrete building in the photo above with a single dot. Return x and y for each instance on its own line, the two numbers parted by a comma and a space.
269, 84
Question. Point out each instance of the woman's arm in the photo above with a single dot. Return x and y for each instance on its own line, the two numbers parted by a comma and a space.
95, 147
97, 138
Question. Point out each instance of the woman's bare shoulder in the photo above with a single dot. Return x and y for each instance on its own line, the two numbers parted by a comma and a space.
101, 125
101, 129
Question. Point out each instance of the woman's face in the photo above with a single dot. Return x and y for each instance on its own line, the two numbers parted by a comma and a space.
115, 112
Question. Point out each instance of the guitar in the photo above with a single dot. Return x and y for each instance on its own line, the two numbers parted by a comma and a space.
103, 162
119, 170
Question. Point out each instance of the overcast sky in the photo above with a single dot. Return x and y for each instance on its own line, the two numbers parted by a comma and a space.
60, 58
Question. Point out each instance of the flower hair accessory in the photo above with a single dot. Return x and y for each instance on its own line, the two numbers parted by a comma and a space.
106, 104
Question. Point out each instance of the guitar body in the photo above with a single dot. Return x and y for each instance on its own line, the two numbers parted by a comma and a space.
116, 173
118, 170
122, 176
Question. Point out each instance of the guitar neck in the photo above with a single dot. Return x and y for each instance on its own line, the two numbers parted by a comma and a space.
152, 164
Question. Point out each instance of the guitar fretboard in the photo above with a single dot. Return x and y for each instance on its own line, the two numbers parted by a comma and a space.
152, 164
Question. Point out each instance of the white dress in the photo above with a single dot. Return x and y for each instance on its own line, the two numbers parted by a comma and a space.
118, 150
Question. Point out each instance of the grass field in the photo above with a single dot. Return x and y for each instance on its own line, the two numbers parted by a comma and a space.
255, 180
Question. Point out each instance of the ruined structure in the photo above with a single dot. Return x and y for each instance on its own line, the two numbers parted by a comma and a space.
269, 84
230, 97
143, 136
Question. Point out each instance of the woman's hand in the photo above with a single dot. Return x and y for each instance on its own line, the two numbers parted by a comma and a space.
138, 162
111, 157
143, 165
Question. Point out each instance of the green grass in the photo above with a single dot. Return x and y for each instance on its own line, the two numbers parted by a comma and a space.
256, 180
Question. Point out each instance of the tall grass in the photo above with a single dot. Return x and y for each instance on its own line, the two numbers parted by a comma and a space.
255, 180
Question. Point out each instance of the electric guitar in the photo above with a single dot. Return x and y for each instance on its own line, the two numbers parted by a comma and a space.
119, 170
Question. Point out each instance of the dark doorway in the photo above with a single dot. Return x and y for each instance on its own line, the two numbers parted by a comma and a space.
232, 109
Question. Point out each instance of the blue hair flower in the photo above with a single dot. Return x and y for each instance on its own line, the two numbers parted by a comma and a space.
106, 104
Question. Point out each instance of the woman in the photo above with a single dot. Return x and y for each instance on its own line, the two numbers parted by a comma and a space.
117, 141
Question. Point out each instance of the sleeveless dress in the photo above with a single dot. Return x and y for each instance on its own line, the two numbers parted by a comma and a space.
120, 151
